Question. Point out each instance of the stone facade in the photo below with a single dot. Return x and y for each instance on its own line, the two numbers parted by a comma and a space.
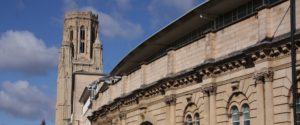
80, 63
238, 73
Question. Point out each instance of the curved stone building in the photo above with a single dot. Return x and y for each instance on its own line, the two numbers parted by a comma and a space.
225, 62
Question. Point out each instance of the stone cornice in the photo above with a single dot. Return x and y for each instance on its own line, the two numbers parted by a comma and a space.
246, 58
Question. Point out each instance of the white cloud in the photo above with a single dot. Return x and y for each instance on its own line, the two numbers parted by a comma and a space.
114, 27
22, 51
25, 101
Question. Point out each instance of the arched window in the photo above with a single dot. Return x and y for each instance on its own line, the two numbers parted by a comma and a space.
191, 115
246, 114
146, 123
197, 119
298, 110
188, 120
235, 116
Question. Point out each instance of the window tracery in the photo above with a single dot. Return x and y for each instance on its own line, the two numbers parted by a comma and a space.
239, 109
192, 116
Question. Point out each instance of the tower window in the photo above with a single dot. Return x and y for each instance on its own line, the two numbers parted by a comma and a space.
82, 37
72, 49
82, 33
81, 46
71, 35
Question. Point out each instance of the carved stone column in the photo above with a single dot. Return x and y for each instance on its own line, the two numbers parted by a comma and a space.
263, 81
268, 78
171, 111
206, 108
209, 92
122, 117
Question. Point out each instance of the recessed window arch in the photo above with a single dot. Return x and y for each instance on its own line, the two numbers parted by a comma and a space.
146, 123
238, 109
235, 116
191, 115
246, 114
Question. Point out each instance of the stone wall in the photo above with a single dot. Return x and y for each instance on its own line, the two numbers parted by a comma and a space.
81, 80
264, 86
213, 46
264, 89
156, 70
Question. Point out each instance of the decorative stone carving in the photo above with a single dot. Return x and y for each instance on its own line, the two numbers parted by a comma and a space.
189, 98
143, 111
170, 100
265, 75
143, 105
209, 89
122, 115
235, 85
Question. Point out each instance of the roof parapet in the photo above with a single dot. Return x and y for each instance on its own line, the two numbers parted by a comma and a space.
81, 14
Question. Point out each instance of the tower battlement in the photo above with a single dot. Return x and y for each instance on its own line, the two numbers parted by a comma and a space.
81, 14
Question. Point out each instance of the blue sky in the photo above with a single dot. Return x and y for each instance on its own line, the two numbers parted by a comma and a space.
31, 34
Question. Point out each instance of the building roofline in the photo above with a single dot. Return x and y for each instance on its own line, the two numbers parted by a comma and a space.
89, 73
154, 35
170, 35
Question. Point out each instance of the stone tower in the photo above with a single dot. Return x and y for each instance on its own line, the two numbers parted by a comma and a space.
81, 52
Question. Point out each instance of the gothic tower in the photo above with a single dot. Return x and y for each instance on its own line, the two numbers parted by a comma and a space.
81, 51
